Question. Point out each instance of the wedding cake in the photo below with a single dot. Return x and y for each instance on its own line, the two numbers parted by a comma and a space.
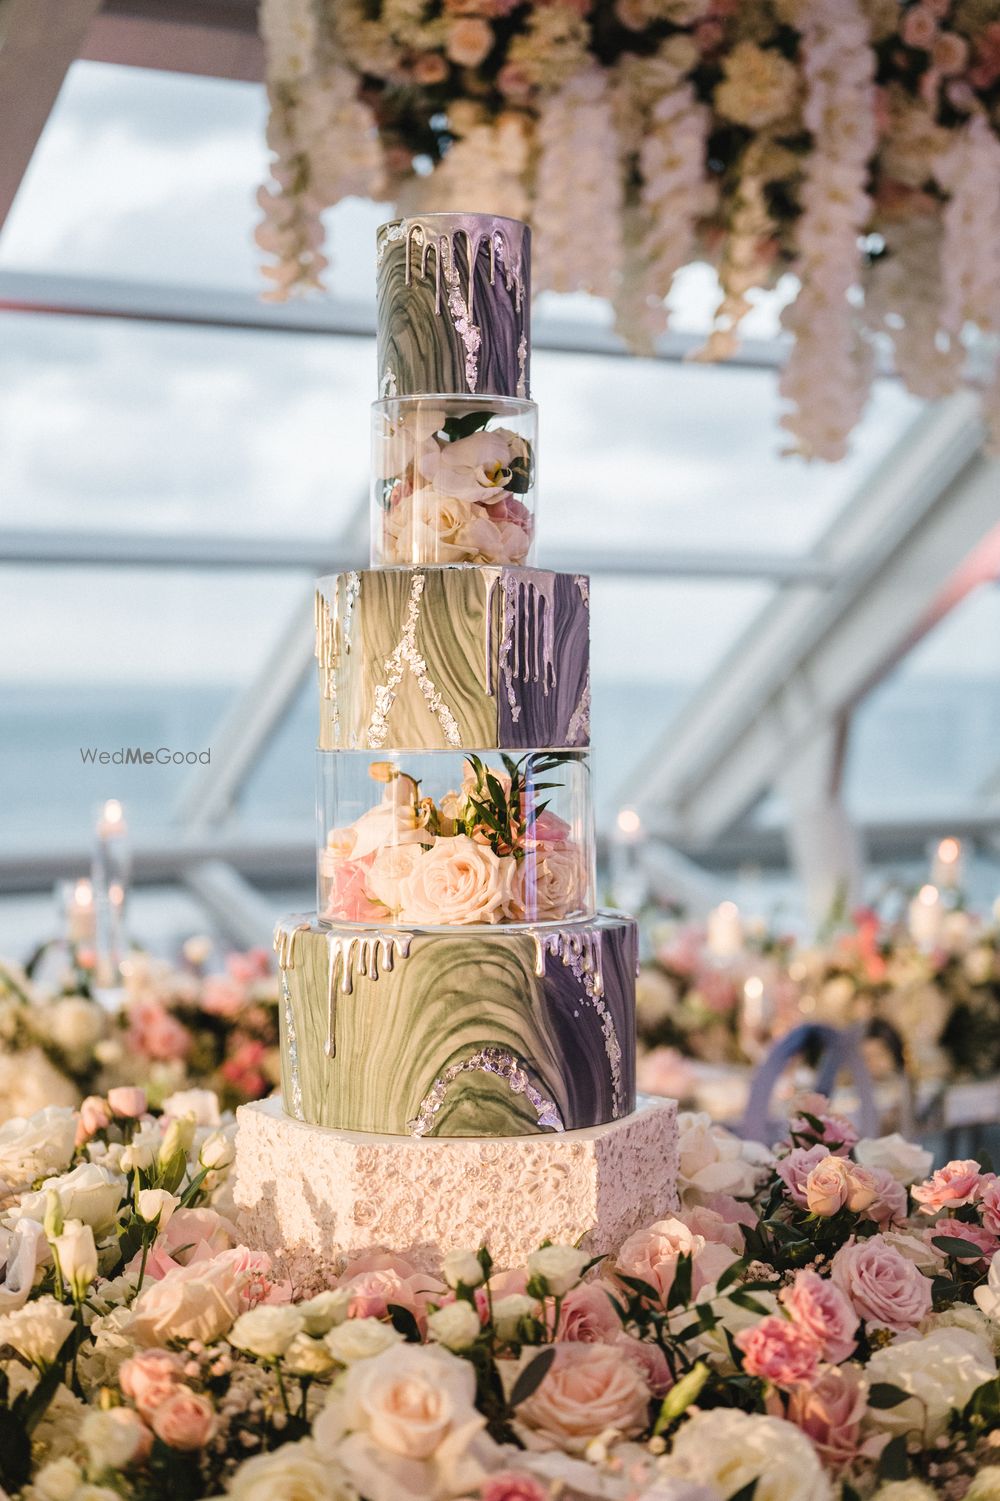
457, 986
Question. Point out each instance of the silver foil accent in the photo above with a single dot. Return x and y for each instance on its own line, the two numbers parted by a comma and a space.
352, 588
489, 1060
294, 1105
328, 657
578, 729
582, 582
580, 952
366, 950
522, 366
405, 656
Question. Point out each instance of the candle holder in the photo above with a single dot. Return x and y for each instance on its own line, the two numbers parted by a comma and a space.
110, 877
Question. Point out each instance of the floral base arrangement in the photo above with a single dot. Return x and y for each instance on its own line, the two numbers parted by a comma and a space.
819, 1322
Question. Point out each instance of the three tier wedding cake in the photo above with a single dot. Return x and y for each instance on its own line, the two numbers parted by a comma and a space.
457, 998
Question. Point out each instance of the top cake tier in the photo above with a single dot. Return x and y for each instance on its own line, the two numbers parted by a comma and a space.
454, 306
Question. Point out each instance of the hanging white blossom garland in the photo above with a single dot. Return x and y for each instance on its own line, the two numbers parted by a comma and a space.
578, 190
829, 370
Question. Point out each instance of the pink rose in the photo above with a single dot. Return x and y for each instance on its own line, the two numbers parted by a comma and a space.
254, 964
512, 1485
588, 1315
200, 1301
548, 829
886, 1290
974, 1235
127, 1102
255, 1281
836, 1132
651, 1255
779, 1351
376, 1280
223, 996
196, 1235
470, 40
345, 893
184, 1420
951, 1186
794, 1169
710, 1224
553, 884
158, 1263
94, 1116
587, 1389
155, 1034
819, 1308
989, 1203
149, 1378
829, 1411
835, 1184
649, 1360
919, 28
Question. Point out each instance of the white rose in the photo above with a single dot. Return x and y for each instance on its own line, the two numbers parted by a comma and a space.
74, 1023
904, 1490
985, 1485
462, 1269
178, 1138
113, 1438
295, 1472
267, 1330
361, 1339
456, 1326
988, 1296
731, 1449
904, 1160
202, 1105
404, 1425
940, 1370
156, 1206
711, 1160
142, 1150
394, 820
458, 881
90, 1193
559, 1267
37, 1331
319, 1314
475, 468
22, 1250
36, 1145
57, 1481
77, 1253
307, 1357
508, 1313
425, 528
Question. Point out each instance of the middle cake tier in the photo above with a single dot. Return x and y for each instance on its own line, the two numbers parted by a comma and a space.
452, 657
495, 1033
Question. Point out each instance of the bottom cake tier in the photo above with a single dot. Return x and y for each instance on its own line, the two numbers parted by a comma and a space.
448, 1033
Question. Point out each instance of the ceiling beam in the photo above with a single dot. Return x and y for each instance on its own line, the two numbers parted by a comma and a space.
142, 550
38, 41
214, 39
899, 551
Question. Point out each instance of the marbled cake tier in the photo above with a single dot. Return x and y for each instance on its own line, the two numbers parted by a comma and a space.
458, 1033
452, 658
454, 305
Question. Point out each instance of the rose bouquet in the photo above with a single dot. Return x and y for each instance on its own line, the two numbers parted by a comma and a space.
816, 1324
451, 485
494, 851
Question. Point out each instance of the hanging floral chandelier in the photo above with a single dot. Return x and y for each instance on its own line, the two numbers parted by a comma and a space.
852, 143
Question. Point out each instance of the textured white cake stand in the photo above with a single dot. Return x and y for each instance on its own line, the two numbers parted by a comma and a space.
314, 1198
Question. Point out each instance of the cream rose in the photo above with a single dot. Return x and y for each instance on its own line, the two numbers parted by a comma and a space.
404, 1425
731, 1449
199, 1301
555, 883
361, 1339
202, 1105
462, 1269
35, 1145
267, 1330
306, 1356
904, 1160
457, 882
90, 1193
113, 1438
456, 1326
75, 1024
320, 1313
940, 1370
559, 1268
393, 821
835, 1184
391, 866
22, 1250
295, 1472
424, 528
711, 1160
587, 1389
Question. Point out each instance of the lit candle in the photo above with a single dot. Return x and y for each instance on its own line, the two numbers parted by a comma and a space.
926, 916
80, 913
724, 933
110, 874
629, 882
946, 868
628, 826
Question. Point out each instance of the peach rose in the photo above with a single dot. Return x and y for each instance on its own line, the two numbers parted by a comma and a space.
555, 883
829, 1411
184, 1420
951, 1186
794, 1170
94, 1116
835, 1184
587, 1389
886, 1290
588, 1316
424, 528
149, 1378
651, 1255
779, 1351
200, 1301
391, 866
819, 1308
457, 882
